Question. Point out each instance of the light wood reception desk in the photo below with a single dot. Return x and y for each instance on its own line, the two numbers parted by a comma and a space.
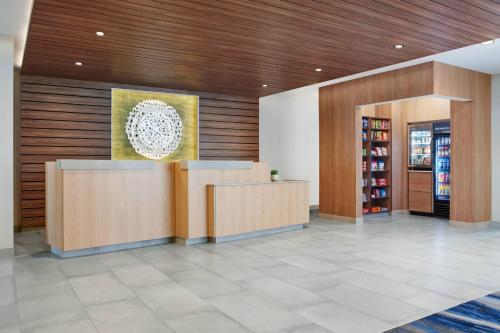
101, 206
242, 210
191, 180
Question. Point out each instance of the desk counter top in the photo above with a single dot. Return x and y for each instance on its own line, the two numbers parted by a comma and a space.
104, 165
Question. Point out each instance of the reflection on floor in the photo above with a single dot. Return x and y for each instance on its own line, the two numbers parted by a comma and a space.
331, 276
481, 315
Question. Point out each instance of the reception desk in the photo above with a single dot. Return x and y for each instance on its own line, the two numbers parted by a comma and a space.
241, 210
101, 206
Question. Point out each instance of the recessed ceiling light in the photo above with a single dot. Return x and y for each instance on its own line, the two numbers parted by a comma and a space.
79, 63
318, 69
99, 34
399, 46
264, 85
488, 42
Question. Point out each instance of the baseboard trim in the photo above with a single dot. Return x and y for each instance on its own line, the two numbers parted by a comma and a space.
342, 218
471, 226
192, 241
253, 234
110, 248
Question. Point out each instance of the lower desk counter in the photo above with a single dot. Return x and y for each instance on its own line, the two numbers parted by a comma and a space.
241, 210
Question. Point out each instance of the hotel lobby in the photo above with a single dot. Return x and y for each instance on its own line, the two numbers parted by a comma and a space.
244, 166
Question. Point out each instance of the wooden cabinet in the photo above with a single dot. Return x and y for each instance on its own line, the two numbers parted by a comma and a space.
420, 191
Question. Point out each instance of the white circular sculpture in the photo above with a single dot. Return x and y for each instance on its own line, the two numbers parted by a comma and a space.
154, 129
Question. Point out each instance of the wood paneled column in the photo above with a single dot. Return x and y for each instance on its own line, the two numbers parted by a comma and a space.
340, 135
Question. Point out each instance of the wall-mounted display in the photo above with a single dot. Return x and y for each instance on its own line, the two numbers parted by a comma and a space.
153, 125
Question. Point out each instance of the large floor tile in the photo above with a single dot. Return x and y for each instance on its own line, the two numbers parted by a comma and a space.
280, 292
7, 291
384, 286
204, 283
170, 300
10, 329
256, 313
341, 319
228, 269
82, 266
77, 326
450, 288
39, 275
139, 275
432, 301
100, 288
6, 268
384, 308
130, 315
312, 264
119, 258
51, 305
9, 318
213, 321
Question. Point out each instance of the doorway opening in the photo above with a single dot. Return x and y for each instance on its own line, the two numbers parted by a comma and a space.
406, 157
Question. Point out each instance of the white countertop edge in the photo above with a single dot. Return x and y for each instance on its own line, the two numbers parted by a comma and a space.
265, 183
196, 164
104, 165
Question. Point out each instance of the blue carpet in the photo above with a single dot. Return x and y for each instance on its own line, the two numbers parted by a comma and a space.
481, 315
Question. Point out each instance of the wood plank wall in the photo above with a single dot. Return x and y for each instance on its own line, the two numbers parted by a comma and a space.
63, 118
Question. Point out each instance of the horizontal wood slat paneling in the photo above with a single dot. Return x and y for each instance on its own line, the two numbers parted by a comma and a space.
62, 118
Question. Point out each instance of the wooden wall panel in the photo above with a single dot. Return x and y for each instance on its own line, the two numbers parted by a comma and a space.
471, 154
62, 118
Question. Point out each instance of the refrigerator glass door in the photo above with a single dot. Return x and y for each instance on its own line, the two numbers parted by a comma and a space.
420, 146
442, 167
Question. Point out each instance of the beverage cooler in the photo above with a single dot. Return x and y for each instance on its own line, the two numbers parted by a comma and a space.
442, 153
420, 146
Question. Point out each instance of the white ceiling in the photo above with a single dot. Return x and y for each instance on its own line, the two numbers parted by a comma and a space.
14, 23
479, 57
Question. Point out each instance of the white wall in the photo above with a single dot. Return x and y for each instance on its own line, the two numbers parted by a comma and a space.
6, 144
495, 147
289, 135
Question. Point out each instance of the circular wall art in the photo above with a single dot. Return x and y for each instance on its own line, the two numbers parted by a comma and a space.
154, 129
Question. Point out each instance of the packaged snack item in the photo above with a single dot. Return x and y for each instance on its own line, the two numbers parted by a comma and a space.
384, 151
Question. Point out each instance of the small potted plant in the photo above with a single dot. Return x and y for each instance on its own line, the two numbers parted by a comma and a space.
275, 175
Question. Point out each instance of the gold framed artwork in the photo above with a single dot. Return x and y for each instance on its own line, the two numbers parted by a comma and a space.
153, 126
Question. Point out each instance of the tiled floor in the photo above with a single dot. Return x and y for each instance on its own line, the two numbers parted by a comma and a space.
331, 276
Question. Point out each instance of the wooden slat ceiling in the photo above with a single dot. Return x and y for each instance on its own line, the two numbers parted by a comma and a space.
236, 46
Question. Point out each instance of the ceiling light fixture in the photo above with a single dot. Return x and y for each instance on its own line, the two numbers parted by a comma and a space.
79, 63
399, 46
264, 85
99, 34
488, 42
318, 69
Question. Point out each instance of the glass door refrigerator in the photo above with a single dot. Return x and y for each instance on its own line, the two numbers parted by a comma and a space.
442, 153
420, 146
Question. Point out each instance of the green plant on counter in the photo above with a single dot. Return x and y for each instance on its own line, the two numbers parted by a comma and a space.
274, 172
